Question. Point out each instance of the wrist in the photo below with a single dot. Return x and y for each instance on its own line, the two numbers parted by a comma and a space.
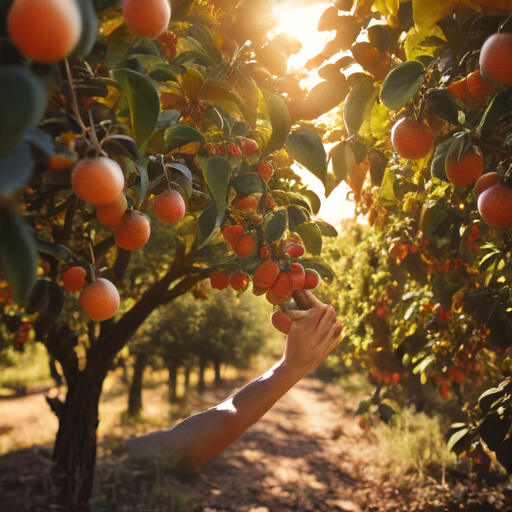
289, 371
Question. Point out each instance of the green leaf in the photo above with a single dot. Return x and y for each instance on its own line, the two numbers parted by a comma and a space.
438, 167
326, 229
325, 271
167, 119
116, 52
311, 236
216, 171
89, 29
143, 100
490, 397
401, 84
181, 134
306, 147
443, 104
144, 180
280, 121
183, 169
275, 224
313, 200
249, 183
455, 438
500, 105
378, 35
18, 257
206, 225
359, 104
22, 104
343, 161
58, 251
15, 169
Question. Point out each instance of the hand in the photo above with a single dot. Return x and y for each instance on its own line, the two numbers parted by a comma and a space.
313, 335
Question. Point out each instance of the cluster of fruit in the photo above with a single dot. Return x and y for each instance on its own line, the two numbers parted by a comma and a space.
49, 31
464, 164
276, 280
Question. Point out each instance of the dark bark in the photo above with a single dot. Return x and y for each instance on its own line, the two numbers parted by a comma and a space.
173, 383
135, 392
216, 367
201, 385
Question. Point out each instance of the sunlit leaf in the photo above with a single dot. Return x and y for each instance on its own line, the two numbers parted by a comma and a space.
306, 147
401, 84
359, 104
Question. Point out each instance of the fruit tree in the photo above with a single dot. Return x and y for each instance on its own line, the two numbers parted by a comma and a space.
143, 149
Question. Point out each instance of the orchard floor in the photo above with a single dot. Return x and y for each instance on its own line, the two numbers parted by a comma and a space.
307, 454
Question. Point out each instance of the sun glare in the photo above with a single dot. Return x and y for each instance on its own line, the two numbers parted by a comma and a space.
301, 22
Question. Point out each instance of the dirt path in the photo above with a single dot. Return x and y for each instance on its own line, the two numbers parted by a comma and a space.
307, 454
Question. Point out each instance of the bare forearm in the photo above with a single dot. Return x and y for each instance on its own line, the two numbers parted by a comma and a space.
200, 438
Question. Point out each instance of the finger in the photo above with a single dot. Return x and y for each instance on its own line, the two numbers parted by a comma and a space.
327, 319
336, 329
296, 314
305, 296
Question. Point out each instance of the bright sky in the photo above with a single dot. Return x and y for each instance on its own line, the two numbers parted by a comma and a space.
300, 22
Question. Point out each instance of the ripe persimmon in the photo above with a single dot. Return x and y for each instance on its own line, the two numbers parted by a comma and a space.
100, 300
273, 298
294, 250
45, 31
133, 231
496, 58
264, 252
97, 180
62, 161
266, 274
281, 322
468, 169
238, 281
265, 170
486, 181
481, 88
146, 18
495, 206
232, 234
219, 280
111, 214
312, 279
248, 204
75, 278
283, 285
169, 206
298, 275
250, 147
412, 140
245, 246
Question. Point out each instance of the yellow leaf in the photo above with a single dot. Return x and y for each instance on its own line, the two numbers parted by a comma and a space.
188, 149
427, 13
192, 82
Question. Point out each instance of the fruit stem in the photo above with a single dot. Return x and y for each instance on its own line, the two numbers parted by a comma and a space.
94, 135
167, 176
78, 117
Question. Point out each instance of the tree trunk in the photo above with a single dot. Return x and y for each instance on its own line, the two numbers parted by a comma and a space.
201, 386
135, 393
216, 366
75, 447
173, 383
186, 372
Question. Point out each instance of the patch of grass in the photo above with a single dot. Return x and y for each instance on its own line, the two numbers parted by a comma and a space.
413, 443
27, 368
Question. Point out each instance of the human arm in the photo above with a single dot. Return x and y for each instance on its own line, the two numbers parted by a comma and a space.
203, 436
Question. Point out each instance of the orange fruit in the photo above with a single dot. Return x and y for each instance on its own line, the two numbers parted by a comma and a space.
412, 140
496, 58
62, 161
250, 147
258, 291
468, 169
219, 280
232, 234
245, 246
45, 31
133, 231
111, 214
298, 275
264, 252
169, 206
265, 170
238, 281
486, 181
283, 285
97, 180
248, 204
100, 300
294, 250
281, 322
312, 279
273, 298
461, 91
146, 18
266, 274
495, 206
74, 279
480, 88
